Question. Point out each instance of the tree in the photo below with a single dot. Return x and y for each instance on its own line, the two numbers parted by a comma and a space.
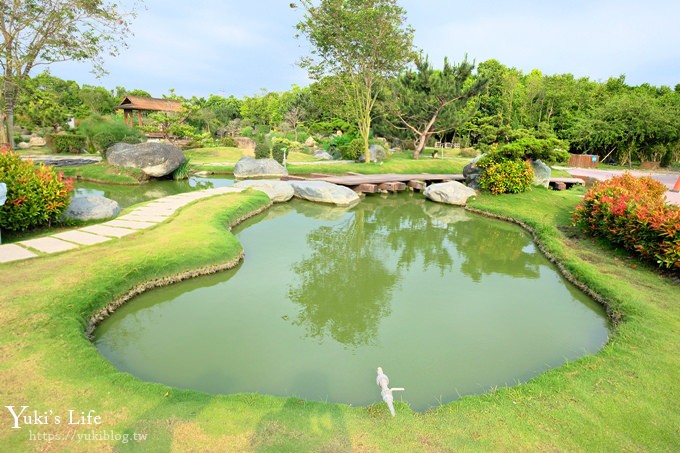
44, 32
361, 43
430, 102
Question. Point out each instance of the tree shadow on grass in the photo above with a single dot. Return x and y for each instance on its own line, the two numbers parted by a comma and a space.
303, 426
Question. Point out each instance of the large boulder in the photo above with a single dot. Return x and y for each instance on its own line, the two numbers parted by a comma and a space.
541, 173
91, 207
278, 191
154, 159
249, 167
310, 142
323, 155
472, 173
376, 152
325, 192
451, 192
37, 142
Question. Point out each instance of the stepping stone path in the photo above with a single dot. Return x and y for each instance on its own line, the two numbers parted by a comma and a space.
144, 217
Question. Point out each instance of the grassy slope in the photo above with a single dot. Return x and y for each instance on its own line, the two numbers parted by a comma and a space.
624, 398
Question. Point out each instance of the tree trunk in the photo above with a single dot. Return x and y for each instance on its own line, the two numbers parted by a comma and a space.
420, 146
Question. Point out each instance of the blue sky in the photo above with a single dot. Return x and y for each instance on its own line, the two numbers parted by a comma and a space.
230, 47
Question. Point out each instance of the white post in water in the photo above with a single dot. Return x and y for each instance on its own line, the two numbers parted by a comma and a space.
382, 380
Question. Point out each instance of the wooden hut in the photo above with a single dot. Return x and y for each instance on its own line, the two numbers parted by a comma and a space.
132, 104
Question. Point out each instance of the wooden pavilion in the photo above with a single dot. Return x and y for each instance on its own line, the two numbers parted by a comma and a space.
132, 104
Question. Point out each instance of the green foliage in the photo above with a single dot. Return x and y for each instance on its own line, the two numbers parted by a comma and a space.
338, 146
632, 213
182, 172
36, 195
550, 150
262, 151
66, 143
502, 175
228, 142
278, 150
354, 150
102, 132
332, 126
247, 131
469, 152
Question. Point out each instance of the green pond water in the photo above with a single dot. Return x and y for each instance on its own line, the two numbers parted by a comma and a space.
448, 303
133, 194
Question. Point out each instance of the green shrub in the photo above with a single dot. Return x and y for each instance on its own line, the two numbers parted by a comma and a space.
102, 132
278, 149
338, 145
36, 195
66, 143
354, 149
502, 175
228, 141
182, 172
247, 131
262, 151
632, 213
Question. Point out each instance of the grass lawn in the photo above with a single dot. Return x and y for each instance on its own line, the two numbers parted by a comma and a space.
625, 398
105, 173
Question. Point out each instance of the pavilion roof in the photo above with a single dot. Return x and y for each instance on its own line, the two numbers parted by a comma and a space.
142, 103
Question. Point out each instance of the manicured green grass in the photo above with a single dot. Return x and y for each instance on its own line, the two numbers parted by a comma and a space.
402, 162
105, 173
202, 156
625, 398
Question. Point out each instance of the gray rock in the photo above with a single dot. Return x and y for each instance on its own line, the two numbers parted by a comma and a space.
377, 152
37, 142
278, 191
91, 207
325, 192
323, 155
541, 173
451, 192
3, 193
310, 142
472, 173
248, 167
154, 159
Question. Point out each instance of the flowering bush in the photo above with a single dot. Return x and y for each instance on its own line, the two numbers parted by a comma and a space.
36, 196
632, 212
502, 175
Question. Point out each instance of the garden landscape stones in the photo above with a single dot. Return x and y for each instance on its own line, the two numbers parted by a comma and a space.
154, 159
91, 207
277, 191
323, 155
541, 173
451, 192
472, 173
249, 167
325, 192
377, 152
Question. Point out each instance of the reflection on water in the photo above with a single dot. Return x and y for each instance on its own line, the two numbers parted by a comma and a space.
446, 302
130, 195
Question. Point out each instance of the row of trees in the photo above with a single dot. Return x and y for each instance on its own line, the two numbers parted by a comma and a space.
367, 78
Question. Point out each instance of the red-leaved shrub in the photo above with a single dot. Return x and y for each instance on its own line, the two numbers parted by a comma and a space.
632, 212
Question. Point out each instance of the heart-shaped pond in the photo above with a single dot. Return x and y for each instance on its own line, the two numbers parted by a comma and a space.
448, 303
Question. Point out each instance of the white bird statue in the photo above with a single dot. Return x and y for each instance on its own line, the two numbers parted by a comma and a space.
382, 380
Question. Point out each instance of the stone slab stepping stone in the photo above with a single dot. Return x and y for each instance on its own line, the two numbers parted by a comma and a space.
144, 218
49, 245
129, 224
108, 231
13, 252
80, 237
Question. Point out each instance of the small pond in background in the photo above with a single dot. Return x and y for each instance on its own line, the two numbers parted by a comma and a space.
447, 302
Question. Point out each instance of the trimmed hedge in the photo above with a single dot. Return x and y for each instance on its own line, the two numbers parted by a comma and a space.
66, 143
632, 213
